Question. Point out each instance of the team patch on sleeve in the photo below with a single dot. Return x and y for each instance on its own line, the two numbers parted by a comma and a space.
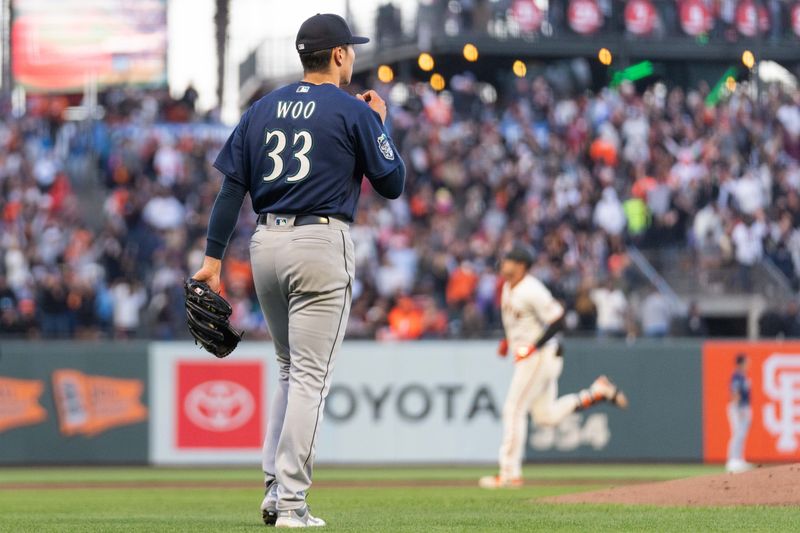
386, 147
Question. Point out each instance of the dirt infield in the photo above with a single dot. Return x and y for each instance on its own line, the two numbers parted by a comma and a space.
778, 485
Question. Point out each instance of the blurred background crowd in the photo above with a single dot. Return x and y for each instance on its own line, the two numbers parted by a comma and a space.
591, 181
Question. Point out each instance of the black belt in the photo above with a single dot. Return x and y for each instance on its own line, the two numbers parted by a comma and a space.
299, 220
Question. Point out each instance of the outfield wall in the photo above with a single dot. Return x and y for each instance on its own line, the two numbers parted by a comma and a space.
73, 403
172, 403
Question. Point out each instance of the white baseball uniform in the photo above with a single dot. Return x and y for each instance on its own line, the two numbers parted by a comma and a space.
528, 309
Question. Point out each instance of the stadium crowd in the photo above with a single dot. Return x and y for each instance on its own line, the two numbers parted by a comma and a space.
578, 178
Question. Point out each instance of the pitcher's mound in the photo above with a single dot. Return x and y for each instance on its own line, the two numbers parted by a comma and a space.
778, 485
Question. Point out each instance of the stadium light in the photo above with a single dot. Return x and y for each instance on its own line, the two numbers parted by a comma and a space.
470, 52
605, 57
519, 68
385, 74
425, 61
437, 82
730, 83
748, 59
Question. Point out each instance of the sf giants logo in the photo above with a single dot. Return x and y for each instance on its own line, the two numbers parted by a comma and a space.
782, 386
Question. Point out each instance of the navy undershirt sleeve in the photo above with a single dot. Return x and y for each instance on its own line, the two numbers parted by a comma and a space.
224, 216
391, 185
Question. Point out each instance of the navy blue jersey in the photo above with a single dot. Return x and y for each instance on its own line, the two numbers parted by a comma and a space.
304, 148
741, 386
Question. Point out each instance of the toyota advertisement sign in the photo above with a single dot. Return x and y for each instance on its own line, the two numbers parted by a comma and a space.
214, 411
417, 402
421, 402
219, 405
205, 409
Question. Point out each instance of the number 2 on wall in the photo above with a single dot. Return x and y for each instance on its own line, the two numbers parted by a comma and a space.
279, 136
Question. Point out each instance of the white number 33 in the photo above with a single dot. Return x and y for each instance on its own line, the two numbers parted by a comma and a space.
306, 143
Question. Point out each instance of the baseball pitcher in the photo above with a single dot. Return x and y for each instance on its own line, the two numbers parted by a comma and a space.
532, 318
301, 152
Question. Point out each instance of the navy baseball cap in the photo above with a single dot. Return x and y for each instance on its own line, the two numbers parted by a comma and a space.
321, 32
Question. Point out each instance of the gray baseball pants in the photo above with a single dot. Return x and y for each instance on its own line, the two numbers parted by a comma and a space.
739, 417
303, 278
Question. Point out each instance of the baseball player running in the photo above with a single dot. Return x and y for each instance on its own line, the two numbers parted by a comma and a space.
531, 319
301, 152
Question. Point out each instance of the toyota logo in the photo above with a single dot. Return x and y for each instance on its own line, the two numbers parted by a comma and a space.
219, 405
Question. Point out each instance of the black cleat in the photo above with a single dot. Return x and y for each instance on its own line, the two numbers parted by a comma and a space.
270, 516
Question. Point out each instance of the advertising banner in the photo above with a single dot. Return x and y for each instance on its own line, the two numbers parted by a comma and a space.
389, 403
696, 17
662, 380
795, 18
19, 403
751, 19
419, 402
640, 17
774, 375
584, 16
208, 410
443, 401
89, 405
60, 45
527, 15
415, 402
75, 403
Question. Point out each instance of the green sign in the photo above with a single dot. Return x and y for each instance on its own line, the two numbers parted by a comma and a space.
720, 88
632, 73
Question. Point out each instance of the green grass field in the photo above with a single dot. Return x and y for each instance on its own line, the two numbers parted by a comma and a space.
351, 499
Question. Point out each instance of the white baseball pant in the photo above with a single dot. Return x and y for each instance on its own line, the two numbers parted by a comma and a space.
534, 389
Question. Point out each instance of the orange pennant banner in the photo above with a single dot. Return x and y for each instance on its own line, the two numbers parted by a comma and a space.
19, 403
88, 405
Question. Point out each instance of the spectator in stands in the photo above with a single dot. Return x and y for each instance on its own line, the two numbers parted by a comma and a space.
81, 302
585, 308
461, 286
10, 322
694, 324
609, 214
776, 323
778, 245
748, 239
406, 319
52, 305
750, 192
163, 211
8, 299
655, 315
577, 177
612, 310
128, 299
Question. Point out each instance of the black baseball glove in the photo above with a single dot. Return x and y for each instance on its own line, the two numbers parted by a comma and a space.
207, 314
